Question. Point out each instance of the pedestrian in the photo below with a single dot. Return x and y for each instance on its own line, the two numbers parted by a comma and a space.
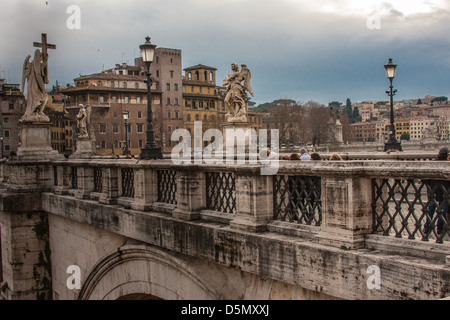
304, 155
315, 156
335, 157
294, 156
285, 157
436, 199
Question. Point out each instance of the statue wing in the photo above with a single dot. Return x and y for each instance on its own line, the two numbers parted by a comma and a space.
26, 71
247, 77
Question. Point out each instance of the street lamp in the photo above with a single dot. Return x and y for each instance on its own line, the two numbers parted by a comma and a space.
392, 143
150, 150
126, 115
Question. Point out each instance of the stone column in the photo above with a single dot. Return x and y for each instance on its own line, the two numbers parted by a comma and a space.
254, 202
146, 189
110, 184
346, 211
191, 191
64, 179
85, 182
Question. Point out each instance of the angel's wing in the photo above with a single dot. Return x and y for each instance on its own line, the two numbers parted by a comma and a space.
26, 71
247, 77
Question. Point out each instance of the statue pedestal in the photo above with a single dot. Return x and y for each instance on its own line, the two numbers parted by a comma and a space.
35, 141
85, 148
237, 138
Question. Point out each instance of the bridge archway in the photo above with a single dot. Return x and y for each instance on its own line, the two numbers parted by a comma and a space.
144, 272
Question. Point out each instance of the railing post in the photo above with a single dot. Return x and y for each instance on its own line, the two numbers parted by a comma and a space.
85, 182
191, 191
146, 189
346, 211
63, 173
254, 202
110, 185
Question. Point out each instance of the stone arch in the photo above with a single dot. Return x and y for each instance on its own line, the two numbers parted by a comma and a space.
145, 270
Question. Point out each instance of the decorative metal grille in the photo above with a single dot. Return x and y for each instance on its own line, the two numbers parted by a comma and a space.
74, 177
297, 198
221, 191
411, 208
128, 182
167, 186
98, 179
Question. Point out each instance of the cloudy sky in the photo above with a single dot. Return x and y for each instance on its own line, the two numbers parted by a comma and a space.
322, 50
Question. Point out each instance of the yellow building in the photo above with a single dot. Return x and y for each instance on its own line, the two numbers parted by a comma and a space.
202, 100
402, 125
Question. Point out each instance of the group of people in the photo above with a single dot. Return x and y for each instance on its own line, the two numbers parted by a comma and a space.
304, 155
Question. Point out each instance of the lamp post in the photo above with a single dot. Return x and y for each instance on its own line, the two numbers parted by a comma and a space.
392, 143
126, 115
150, 150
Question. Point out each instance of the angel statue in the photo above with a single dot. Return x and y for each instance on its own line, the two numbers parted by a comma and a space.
236, 98
35, 74
83, 121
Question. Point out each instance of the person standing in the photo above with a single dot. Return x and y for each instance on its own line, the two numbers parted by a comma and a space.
436, 199
304, 155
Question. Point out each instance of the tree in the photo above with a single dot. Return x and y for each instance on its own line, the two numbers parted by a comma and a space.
317, 120
288, 117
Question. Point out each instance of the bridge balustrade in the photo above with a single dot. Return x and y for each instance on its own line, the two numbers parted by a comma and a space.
339, 203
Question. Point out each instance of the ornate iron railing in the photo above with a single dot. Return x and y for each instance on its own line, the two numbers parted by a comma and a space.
221, 191
411, 208
128, 182
74, 177
98, 179
297, 198
167, 186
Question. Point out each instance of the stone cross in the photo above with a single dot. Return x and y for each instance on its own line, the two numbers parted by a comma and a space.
44, 45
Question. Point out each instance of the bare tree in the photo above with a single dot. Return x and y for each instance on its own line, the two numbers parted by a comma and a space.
318, 117
288, 117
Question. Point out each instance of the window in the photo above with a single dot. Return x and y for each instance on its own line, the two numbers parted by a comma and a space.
188, 117
175, 87
103, 144
176, 101
169, 128
6, 133
102, 128
114, 99
136, 85
192, 89
168, 87
102, 99
140, 143
6, 120
171, 74
127, 99
99, 83
115, 128
11, 106
139, 115
139, 128
169, 115
112, 84
138, 100
168, 100
176, 114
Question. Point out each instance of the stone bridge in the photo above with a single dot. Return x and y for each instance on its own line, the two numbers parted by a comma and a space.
148, 229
